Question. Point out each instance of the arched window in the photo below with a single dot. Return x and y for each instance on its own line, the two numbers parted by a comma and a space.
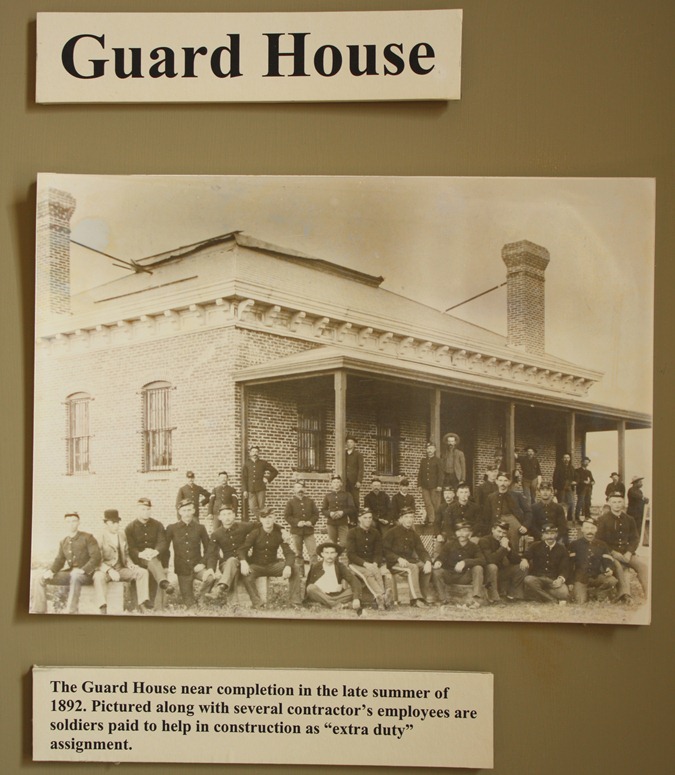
78, 436
157, 428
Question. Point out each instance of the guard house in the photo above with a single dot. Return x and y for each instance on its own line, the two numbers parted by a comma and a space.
196, 353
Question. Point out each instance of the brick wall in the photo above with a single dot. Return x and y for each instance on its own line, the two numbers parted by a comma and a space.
54, 211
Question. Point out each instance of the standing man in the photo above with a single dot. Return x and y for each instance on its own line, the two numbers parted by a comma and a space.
443, 525
585, 481
366, 559
484, 489
302, 514
259, 556
619, 532
548, 511
74, 566
502, 565
353, 473
193, 492
148, 548
547, 564
454, 462
330, 583
256, 474
222, 556
377, 503
616, 485
504, 506
338, 509
222, 496
405, 555
190, 541
401, 500
117, 565
637, 502
531, 474
592, 564
565, 484
430, 481
460, 561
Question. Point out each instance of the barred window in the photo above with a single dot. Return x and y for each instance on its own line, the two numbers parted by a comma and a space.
77, 440
157, 429
311, 439
388, 444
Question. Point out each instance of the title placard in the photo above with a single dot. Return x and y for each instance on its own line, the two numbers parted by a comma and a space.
247, 57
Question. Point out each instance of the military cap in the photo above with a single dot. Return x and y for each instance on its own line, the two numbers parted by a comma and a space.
145, 501
186, 502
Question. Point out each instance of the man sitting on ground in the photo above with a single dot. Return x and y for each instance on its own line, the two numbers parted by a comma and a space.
330, 583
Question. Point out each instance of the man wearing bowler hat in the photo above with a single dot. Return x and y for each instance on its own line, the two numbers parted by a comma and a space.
615, 485
193, 492
148, 548
330, 583
117, 565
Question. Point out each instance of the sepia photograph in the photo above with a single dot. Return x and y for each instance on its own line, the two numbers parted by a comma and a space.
347, 398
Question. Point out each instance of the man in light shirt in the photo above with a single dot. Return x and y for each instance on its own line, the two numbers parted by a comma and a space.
330, 582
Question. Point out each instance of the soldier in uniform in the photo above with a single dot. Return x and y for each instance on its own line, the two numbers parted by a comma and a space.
401, 501
222, 495
353, 474
546, 510
405, 555
73, 567
189, 541
502, 565
548, 565
585, 481
193, 492
302, 514
222, 556
430, 481
338, 508
366, 559
148, 548
592, 564
460, 561
377, 503
504, 506
256, 474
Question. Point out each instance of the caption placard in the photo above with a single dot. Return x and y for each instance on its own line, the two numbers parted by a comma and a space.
368, 717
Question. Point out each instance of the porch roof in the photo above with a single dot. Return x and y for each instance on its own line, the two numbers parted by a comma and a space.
327, 360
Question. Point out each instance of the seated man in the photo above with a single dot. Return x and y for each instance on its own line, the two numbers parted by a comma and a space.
619, 532
502, 565
259, 556
547, 510
148, 549
401, 501
377, 503
74, 566
222, 495
405, 555
366, 560
331, 583
443, 523
189, 541
462, 509
506, 506
592, 564
547, 564
302, 514
116, 565
225, 543
460, 561
338, 508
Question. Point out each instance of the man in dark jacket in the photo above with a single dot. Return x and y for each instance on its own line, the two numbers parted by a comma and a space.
637, 502
585, 481
222, 496
256, 474
592, 564
353, 473
330, 583
546, 510
148, 548
405, 555
193, 492
366, 559
504, 506
548, 566
401, 501
302, 514
531, 474
430, 481
502, 565
377, 503
564, 483
222, 556
338, 509
461, 562
189, 542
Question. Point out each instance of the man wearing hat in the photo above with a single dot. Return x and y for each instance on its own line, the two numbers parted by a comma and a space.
462, 509
454, 462
564, 483
547, 564
117, 565
546, 510
193, 492
330, 583
531, 469
74, 566
504, 506
405, 555
259, 556
401, 501
189, 541
302, 514
222, 496
619, 531
256, 474
444, 522
484, 490
585, 481
222, 556
366, 558
430, 480
592, 563
502, 565
637, 502
615, 485
460, 561
378, 502
148, 548
353, 474
338, 509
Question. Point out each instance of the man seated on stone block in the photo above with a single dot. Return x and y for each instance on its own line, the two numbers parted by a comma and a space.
405, 555
73, 567
259, 556
338, 509
330, 583
189, 542
546, 510
460, 562
506, 506
547, 564
302, 514
117, 565
366, 559
592, 564
503, 575
443, 523
222, 556
377, 502
619, 531
401, 501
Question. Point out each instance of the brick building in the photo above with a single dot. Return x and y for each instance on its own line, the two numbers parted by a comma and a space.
200, 351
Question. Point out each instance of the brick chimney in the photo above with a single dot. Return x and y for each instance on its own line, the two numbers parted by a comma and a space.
526, 307
54, 211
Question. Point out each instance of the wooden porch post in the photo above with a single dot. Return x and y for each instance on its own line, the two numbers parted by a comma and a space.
340, 385
621, 431
510, 451
435, 418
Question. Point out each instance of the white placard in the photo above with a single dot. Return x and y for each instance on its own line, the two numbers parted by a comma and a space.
366, 717
246, 57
